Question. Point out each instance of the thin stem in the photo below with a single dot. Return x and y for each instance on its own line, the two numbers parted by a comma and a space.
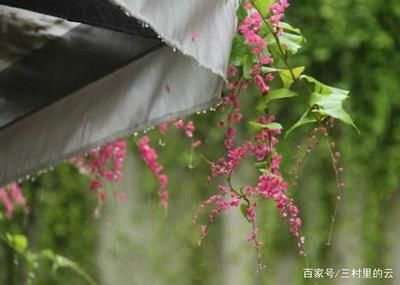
191, 156
338, 197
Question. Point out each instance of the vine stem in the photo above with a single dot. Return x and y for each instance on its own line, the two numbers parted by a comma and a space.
338, 197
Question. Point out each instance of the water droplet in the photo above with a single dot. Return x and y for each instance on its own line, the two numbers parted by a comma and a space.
97, 213
161, 143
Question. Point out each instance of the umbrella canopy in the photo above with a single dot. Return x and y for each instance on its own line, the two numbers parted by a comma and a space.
75, 74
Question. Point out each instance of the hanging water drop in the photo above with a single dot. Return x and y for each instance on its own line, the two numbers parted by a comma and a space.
161, 143
97, 212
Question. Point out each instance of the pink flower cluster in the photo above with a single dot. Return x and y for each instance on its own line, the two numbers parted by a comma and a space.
189, 128
150, 157
102, 164
250, 28
278, 13
11, 196
223, 201
270, 185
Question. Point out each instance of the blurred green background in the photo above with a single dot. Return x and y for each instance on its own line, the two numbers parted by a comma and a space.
352, 44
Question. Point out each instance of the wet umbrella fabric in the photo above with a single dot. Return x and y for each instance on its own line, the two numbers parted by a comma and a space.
108, 71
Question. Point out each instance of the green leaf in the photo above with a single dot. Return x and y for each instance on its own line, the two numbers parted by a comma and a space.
243, 209
247, 63
271, 126
261, 164
306, 118
331, 105
63, 262
18, 242
318, 86
325, 101
291, 42
263, 6
286, 75
287, 27
239, 49
275, 95
241, 12
266, 69
330, 101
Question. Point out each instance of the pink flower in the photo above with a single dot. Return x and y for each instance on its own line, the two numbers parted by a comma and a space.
255, 69
189, 129
11, 196
164, 197
253, 235
251, 214
16, 194
196, 143
149, 156
261, 84
163, 128
95, 185
163, 181
8, 205
269, 77
230, 132
235, 117
179, 124
102, 163
278, 13
232, 71
265, 59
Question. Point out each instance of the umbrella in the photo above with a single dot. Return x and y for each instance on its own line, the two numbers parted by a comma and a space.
76, 74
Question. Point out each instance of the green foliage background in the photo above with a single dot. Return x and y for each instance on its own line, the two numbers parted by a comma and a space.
352, 45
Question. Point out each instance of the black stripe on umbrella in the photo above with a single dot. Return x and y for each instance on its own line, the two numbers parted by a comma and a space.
66, 64
102, 13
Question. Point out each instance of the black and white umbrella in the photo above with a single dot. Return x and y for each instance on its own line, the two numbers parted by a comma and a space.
75, 74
